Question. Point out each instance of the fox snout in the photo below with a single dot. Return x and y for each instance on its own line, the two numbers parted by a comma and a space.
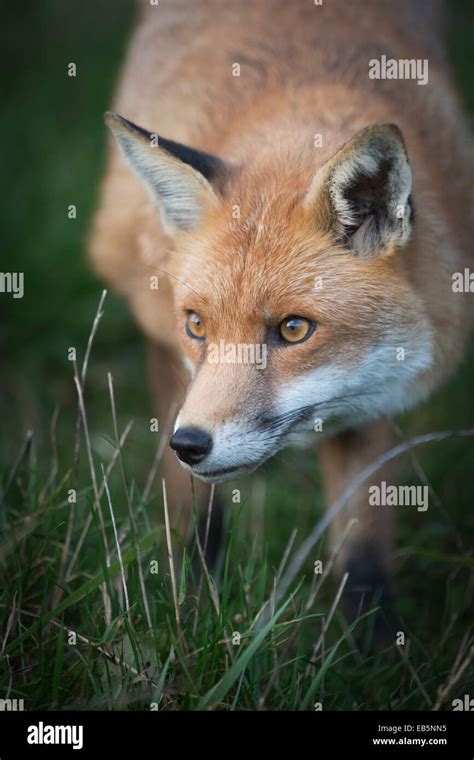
219, 432
221, 451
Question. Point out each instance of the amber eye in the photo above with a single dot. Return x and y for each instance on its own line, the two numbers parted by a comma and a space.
195, 326
296, 329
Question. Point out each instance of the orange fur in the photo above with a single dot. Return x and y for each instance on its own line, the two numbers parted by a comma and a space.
304, 71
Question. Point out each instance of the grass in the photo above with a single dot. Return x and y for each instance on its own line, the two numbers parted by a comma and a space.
58, 577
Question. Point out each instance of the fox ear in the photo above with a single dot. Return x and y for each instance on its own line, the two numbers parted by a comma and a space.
362, 194
178, 178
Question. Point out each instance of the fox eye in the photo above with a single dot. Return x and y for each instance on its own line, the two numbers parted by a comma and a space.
195, 326
296, 329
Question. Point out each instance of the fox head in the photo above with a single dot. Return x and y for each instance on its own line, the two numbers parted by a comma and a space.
293, 302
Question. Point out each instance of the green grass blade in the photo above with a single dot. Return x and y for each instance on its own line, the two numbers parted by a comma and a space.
218, 692
129, 556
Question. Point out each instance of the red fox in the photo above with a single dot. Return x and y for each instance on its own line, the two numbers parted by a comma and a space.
302, 192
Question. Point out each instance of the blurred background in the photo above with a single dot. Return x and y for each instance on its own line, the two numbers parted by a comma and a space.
52, 143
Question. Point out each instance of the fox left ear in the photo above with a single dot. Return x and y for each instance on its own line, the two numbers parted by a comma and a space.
361, 196
182, 181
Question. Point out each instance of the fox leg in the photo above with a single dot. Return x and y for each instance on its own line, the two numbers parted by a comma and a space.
366, 553
169, 379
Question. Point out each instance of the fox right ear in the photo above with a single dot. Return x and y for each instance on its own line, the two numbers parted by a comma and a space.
362, 195
177, 178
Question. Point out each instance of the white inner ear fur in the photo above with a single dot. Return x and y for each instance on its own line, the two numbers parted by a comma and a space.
365, 159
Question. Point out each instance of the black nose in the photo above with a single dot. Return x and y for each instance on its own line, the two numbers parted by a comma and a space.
191, 444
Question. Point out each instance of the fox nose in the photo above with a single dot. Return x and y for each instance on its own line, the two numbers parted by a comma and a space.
191, 444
